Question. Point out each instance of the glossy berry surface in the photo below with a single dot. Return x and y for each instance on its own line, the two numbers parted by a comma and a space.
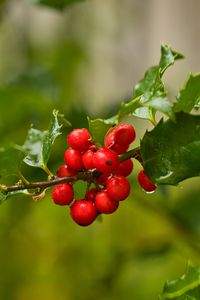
64, 171
105, 160
105, 204
124, 134
62, 194
87, 159
118, 187
112, 144
145, 182
79, 139
100, 168
91, 194
73, 159
125, 168
83, 212
103, 177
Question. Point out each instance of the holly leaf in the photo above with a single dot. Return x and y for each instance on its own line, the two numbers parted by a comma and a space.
99, 127
58, 4
170, 151
61, 119
32, 148
51, 134
38, 144
187, 287
189, 95
168, 58
149, 94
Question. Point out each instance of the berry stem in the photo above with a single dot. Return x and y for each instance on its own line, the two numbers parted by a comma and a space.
23, 179
50, 174
133, 153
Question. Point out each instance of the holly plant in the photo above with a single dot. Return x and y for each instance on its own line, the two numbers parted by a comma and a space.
103, 154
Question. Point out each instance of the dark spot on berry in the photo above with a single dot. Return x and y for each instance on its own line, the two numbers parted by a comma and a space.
109, 162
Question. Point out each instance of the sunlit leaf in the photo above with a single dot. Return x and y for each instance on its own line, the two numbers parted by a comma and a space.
168, 57
61, 119
149, 94
33, 148
49, 138
38, 144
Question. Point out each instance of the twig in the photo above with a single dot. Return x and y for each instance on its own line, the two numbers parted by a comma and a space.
89, 176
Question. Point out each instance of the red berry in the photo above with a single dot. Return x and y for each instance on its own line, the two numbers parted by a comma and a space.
118, 187
105, 204
64, 171
87, 159
73, 159
83, 212
105, 160
79, 139
91, 194
62, 194
125, 168
102, 178
124, 134
145, 182
112, 144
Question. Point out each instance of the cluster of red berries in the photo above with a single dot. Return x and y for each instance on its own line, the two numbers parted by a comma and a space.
111, 184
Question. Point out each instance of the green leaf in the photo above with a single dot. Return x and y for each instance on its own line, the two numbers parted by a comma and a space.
99, 127
189, 95
61, 119
171, 150
58, 4
33, 148
149, 85
38, 144
187, 287
49, 138
149, 94
10, 159
168, 57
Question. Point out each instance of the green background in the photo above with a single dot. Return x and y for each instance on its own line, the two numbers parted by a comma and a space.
63, 60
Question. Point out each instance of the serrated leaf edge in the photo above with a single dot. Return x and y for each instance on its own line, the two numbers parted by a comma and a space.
185, 289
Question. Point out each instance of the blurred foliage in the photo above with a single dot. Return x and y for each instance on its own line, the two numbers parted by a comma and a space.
59, 4
44, 255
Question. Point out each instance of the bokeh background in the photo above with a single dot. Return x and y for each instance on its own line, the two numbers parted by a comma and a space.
85, 61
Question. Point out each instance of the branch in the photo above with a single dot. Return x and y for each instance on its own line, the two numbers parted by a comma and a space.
133, 153
45, 184
89, 176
